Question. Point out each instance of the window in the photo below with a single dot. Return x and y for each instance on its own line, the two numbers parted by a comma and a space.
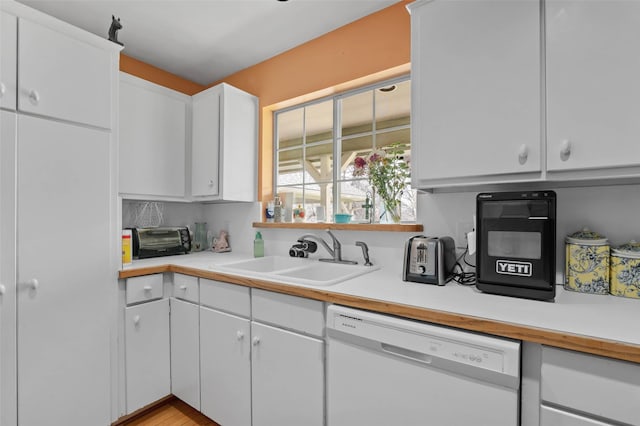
316, 144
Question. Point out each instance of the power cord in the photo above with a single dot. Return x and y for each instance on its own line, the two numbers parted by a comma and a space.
462, 277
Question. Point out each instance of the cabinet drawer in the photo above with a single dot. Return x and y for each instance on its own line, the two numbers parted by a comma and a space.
600, 386
292, 312
230, 298
550, 416
142, 289
185, 287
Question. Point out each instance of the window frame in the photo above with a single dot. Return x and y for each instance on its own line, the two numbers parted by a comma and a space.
336, 134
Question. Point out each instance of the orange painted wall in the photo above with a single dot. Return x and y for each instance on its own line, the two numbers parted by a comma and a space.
369, 45
156, 75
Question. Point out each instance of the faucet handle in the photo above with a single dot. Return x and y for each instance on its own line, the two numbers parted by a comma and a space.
308, 245
365, 252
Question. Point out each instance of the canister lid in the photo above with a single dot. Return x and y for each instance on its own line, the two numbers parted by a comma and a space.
630, 249
587, 237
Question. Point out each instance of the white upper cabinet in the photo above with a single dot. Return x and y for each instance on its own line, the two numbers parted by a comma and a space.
593, 85
8, 48
62, 77
476, 91
206, 142
153, 134
224, 145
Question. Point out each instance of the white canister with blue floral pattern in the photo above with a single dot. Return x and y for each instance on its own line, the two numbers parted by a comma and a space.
625, 270
587, 262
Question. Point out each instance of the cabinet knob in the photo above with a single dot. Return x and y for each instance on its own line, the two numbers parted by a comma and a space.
239, 335
3, 89
147, 288
565, 150
34, 97
256, 341
210, 182
3, 289
136, 320
523, 154
33, 284
183, 287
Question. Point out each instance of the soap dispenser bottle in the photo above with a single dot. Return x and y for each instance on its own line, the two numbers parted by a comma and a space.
258, 245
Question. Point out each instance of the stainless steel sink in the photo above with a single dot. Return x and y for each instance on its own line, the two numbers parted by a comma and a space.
293, 270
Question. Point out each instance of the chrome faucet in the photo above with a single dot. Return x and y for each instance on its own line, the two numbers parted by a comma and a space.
335, 252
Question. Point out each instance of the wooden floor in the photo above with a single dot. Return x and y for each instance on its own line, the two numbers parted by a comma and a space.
172, 413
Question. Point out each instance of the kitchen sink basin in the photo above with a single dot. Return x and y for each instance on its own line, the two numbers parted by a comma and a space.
293, 270
324, 273
267, 264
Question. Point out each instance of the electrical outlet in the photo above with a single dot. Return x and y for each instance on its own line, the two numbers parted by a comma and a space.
462, 229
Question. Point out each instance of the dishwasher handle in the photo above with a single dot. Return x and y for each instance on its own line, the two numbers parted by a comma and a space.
406, 353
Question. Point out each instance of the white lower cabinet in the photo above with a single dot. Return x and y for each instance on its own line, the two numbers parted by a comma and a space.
287, 371
287, 360
185, 352
147, 357
578, 389
225, 367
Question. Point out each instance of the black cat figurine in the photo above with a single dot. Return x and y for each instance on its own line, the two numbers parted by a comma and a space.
113, 30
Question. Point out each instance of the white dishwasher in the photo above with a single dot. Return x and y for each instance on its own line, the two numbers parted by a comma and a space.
383, 370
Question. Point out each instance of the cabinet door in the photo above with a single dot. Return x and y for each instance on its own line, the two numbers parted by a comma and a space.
8, 50
152, 139
592, 84
206, 142
147, 353
225, 368
8, 385
475, 91
287, 372
62, 77
185, 352
238, 145
66, 283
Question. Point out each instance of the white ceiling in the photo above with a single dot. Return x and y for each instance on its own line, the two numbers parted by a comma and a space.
207, 40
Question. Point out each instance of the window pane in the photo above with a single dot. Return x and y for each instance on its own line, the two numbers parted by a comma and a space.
393, 107
352, 148
319, 122
289, 126
353, 195
290, 167
403, 136
319, 163
357, 113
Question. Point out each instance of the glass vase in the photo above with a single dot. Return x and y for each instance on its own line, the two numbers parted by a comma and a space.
392, 209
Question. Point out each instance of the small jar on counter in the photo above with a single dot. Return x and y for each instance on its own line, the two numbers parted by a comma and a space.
587, 262
625, 270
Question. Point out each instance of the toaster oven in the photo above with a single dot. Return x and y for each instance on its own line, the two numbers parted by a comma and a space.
160, 241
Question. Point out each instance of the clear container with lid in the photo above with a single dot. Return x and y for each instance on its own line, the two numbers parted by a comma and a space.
625, 270
587, 262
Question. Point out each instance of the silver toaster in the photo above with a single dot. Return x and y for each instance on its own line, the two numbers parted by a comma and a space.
429, 260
